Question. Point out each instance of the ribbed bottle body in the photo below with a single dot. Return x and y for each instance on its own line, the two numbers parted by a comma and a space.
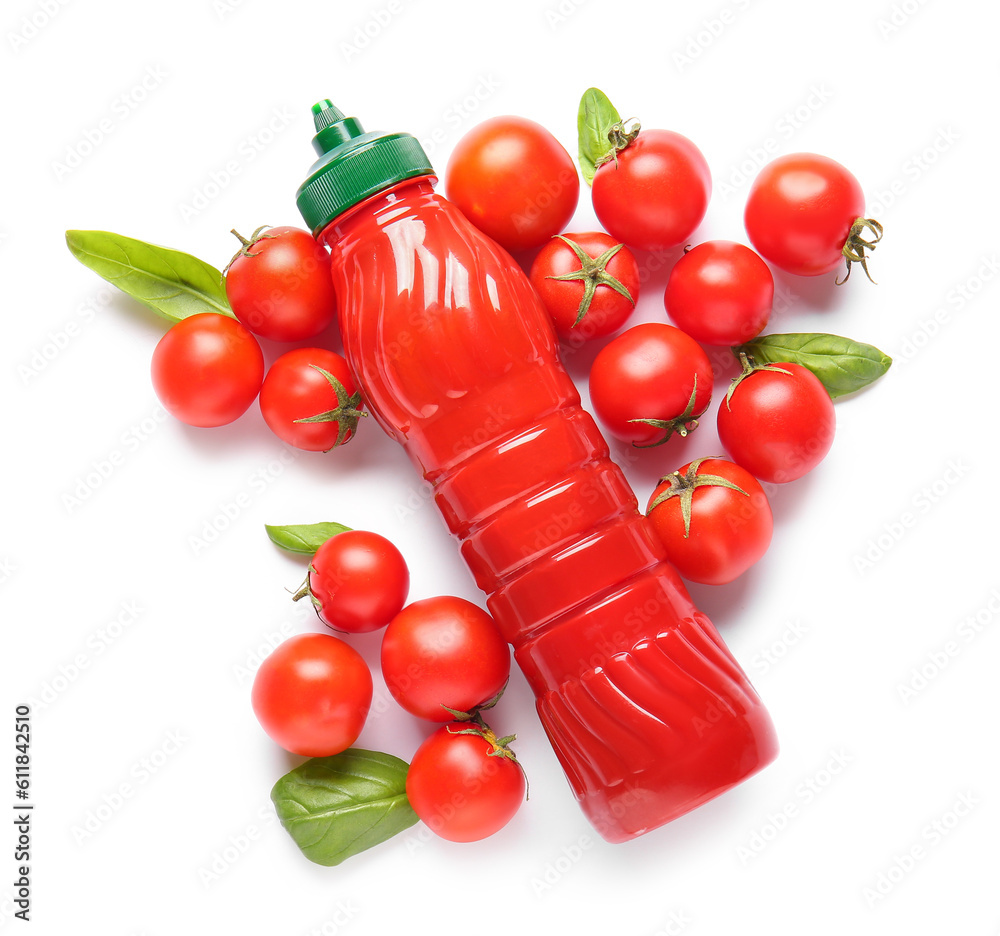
646, 709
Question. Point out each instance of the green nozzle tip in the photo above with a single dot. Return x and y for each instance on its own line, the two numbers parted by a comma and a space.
353, 165
325, 114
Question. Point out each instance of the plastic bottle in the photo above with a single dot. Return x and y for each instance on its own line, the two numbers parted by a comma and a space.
647, 710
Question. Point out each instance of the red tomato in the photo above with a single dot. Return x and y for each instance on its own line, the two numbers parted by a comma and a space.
801, 213
207, 369
441, 652
460, 787
312, 694
649, 382
777, 425
713, 518
514, 181
358, 581
657, 193
720, 293
306, 407
588, 283
280, 285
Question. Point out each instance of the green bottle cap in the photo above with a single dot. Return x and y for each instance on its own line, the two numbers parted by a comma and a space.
353, 164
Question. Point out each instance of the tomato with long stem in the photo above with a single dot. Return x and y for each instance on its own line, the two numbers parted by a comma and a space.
650, 382
308, 399
464, 782
805, 214
357, 582
713, 518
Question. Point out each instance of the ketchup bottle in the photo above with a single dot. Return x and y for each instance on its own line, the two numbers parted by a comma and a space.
647, 710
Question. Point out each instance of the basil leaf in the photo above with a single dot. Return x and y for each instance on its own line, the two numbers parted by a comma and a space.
842, 365
336, 807
172, 283
305, 538
596, 116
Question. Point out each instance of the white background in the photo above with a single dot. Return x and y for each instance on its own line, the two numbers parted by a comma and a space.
881, 814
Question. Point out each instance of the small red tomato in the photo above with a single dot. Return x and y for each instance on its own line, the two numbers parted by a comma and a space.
656, 192
777, 422
720, 293
713, 519
280, 286
309, 400
588, 283
465, 787
805, 214
443, 653
312, 694
649, 382
207, 369
358, 581
514, 181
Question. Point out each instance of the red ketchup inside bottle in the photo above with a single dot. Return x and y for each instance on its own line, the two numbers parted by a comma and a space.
647, 710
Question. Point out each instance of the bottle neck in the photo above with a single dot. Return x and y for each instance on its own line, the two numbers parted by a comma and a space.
381, 206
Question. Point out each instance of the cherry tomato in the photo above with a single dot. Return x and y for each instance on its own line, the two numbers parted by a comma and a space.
207, 369
463, 786
649, 382
358, 581
588, 283
312, 694
803, 210
656, 194
713, 518
720, 293
779, 422
311, 384
514, 181
443, 651
279, 285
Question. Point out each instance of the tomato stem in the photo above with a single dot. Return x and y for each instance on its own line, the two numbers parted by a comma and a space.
305, 590
620, 135
245, 244
346, 413
750, 366
593, 274
500, 745
856, 245
682, 424
684, 486
473, 713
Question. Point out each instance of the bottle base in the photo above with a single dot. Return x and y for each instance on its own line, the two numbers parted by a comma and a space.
650, 733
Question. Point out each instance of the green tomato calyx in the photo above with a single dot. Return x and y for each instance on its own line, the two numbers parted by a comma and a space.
682, 424
750, 366
684, 485
346, 413
246, 245
593, 273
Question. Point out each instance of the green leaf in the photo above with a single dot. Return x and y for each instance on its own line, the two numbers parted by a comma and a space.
594, 119
304, 538
336, 807
842, 365
172, 283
